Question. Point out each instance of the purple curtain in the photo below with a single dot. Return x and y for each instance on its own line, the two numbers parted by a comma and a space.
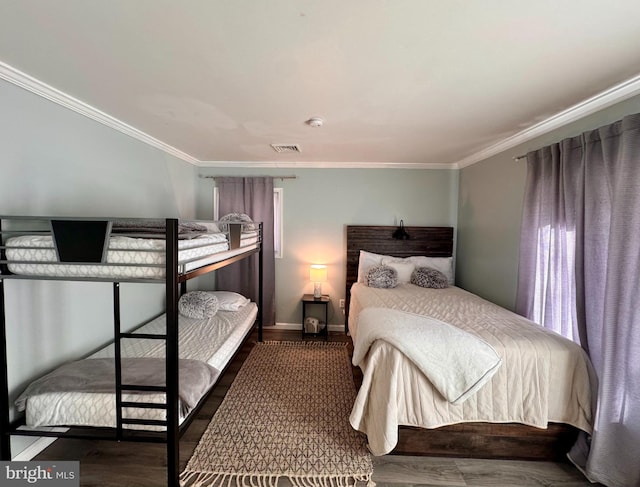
579, 274
253, 197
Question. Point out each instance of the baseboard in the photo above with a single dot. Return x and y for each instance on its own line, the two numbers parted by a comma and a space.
33, 449
298, 326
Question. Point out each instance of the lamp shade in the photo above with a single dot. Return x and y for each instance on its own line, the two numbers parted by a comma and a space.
318, 273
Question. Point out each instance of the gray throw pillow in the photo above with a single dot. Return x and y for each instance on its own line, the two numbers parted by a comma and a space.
428, 277
200, 305
382, 276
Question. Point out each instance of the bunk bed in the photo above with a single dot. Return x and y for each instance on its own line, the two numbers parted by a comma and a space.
474, 379
162, 251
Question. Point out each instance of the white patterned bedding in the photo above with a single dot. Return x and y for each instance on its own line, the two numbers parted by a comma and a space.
543, 377
127, 258
213, 341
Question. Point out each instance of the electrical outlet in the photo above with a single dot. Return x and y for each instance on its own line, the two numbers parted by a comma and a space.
342, 303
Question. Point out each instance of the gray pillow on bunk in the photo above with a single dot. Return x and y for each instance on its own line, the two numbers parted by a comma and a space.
429, 277
198, 304
238, 217
382, 276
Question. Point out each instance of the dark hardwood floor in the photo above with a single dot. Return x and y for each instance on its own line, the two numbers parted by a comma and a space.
107, 463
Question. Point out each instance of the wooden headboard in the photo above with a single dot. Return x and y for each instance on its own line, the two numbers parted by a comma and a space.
427, 241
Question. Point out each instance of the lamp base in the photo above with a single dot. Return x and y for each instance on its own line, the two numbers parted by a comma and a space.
317, 290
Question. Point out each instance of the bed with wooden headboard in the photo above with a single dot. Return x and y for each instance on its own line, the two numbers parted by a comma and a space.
427, 241
483, 439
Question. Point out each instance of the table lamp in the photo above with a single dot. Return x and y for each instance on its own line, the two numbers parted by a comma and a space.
318, 275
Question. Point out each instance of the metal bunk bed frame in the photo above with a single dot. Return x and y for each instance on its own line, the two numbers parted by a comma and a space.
175, 285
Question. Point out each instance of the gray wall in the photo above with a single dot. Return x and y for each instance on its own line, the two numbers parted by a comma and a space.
57, 162
490, 209
319, 203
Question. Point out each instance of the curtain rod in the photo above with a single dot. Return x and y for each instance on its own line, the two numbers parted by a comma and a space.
274, 177
518, 158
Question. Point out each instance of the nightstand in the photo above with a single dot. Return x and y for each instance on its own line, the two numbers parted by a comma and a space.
317, 305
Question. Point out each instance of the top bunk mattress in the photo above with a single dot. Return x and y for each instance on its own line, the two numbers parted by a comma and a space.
126, 257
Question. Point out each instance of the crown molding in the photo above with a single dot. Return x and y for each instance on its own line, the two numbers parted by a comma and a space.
615, 94
326, 165
23, 80
604, 99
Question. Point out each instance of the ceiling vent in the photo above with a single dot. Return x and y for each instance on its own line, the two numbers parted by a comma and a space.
286, 147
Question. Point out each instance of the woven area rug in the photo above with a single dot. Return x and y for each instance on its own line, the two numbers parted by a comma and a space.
286, 415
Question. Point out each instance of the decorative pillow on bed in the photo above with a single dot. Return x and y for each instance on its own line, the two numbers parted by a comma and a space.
366, 261
429, 277
442, 264
238, 217
198, 304
382, 276
229, 301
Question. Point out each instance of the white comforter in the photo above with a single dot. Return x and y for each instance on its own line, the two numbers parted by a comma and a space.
543, 377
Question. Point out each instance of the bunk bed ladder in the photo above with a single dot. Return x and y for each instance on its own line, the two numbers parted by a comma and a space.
121, 388
170, 389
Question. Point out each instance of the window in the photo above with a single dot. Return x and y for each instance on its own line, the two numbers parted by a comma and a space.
554, 282
277, 218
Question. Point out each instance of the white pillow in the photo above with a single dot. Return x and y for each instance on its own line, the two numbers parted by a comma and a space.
403, 267
442, 264
367, 261
230, 301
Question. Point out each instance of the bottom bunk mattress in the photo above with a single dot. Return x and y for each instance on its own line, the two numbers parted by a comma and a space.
539, 377
211, 340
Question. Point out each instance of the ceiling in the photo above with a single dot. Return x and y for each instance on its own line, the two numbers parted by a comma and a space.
398, 83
